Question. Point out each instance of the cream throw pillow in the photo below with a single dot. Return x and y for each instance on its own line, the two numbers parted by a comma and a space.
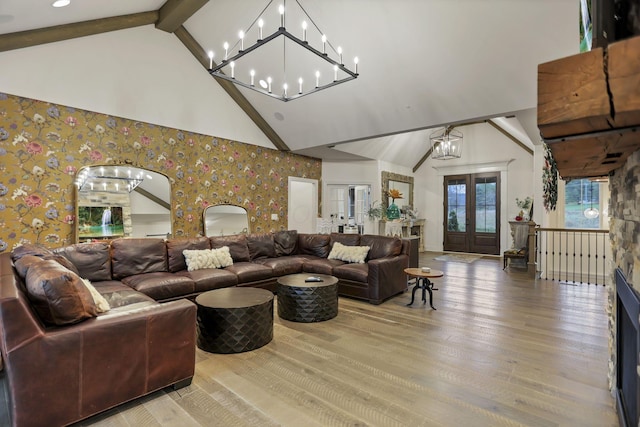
101, 303
356, 254
198, 259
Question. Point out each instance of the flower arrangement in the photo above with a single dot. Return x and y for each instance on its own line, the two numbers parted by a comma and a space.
394, 193
525, 206
374, 211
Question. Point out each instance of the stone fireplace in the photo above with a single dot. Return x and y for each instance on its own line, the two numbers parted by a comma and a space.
624, 209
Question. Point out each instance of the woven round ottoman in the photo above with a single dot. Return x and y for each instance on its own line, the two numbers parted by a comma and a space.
234, 320
302, 301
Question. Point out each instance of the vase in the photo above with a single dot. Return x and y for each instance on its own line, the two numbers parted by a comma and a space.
393, 212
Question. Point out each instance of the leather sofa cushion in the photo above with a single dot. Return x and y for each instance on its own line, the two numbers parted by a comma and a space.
283, 265
381, 246
314, 244
30, 249
126, 299
161, 285
92, 260
210, 278
285, 242
345, 239
58, 295
354, 272
321, 266
63, 262
250, 272
175, 257
23, 264
261, 246
237, 246
132, 256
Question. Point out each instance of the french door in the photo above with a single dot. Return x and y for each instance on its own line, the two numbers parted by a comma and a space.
472, 213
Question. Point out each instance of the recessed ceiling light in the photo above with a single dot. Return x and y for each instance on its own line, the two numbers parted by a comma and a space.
61, 3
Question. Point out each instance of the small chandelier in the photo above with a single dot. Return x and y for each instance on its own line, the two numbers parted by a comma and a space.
446, 144
328, 69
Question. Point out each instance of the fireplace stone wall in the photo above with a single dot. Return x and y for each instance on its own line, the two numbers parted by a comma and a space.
624, 233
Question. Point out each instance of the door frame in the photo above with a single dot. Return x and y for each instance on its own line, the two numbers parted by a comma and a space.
499, 166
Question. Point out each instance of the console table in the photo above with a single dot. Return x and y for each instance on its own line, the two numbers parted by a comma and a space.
408, 227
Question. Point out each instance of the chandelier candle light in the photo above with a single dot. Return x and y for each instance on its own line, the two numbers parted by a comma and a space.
446, 144
234, 65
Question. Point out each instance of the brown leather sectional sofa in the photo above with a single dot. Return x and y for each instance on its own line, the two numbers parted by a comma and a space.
61, 373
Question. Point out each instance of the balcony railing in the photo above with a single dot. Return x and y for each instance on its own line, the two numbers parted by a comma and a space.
573, 255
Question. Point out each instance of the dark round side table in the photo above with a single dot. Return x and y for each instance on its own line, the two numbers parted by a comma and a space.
234, 320
301, 301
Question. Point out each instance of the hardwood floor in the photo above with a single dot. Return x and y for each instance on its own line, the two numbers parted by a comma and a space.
501, 350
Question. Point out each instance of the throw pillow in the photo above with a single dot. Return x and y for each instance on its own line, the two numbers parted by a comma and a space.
101, 303
355, 254
58, 294
207, 258
23, 264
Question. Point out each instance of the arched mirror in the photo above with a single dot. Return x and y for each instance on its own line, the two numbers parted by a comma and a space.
402, 183
121, 201
224, 220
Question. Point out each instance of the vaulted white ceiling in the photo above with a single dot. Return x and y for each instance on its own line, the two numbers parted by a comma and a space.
423, 64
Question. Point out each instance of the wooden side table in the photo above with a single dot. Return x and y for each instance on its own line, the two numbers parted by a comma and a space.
423, 282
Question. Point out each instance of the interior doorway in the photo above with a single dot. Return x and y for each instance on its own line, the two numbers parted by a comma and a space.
303, 204
472, 213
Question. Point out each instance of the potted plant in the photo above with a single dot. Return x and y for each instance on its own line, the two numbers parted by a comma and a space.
374, 212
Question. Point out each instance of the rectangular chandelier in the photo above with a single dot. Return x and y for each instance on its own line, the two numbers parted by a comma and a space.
446, 144
311, 70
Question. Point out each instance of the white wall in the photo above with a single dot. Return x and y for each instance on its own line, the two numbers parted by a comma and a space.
482, 145
133, 74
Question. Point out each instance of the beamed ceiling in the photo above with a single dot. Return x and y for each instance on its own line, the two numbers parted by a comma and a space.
423, 64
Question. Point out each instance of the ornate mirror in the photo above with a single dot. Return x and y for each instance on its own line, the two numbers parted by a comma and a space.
121, 201
224, 220
402, 183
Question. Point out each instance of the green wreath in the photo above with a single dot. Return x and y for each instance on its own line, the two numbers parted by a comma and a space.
549, 180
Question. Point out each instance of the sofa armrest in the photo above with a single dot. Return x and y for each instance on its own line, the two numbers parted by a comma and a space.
101, 362
387, 277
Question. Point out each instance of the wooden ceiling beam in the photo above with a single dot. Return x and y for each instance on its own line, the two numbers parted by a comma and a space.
511, 137
196, 50
174, 13
422, 160
58, 33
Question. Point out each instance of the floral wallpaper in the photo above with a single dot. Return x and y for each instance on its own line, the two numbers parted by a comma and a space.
43, 145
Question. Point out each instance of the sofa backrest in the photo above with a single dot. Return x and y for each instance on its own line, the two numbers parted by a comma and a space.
175, 248
131, 256
314, 244
92, 260
381, 246
345, 239
237, 246
261, 246
285, 242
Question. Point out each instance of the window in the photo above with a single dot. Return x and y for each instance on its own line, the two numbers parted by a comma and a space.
579, 196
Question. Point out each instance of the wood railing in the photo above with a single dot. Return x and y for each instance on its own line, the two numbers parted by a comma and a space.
572, 255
